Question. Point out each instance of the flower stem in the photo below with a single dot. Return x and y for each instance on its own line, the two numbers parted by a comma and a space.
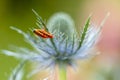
62, 72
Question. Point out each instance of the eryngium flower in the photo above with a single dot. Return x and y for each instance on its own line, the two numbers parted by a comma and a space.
66, 47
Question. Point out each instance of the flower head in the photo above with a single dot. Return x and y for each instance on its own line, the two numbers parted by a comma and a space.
66, 47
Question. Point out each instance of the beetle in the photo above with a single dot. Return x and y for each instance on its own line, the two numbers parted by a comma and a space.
42, 33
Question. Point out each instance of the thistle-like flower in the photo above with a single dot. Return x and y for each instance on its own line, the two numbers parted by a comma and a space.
64, 48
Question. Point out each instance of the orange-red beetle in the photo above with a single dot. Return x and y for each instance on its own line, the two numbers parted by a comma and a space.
43, 33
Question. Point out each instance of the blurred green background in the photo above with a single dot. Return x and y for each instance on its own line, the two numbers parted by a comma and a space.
19, 13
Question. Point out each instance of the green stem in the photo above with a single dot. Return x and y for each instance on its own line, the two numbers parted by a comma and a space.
62, 72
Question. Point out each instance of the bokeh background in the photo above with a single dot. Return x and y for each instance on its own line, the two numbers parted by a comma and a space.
105, 66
